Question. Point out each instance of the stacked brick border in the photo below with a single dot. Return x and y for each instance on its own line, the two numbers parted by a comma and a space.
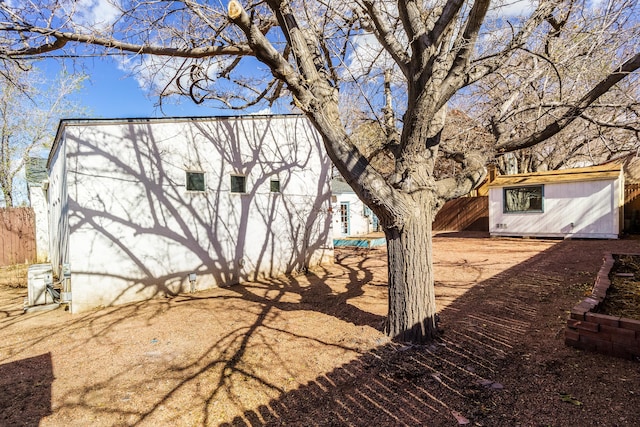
610, 335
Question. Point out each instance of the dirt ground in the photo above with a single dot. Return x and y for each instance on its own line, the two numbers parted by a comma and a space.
307, 350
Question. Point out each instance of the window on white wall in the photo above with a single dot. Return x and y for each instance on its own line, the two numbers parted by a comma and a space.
238, 184
523, 199
275, 185
195, 181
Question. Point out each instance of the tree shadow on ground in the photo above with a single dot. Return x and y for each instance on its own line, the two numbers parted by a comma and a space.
266, 352
26, 391
226, 354
502, 350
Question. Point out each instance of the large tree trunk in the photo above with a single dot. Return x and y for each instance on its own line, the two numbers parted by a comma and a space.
412, 306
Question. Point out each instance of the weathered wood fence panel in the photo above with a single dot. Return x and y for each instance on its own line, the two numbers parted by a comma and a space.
631, 192
465, 213
17, 236
632, 208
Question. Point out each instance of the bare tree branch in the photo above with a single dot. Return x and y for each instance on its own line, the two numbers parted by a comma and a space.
464, 47
632, 64
62, 38
387, 38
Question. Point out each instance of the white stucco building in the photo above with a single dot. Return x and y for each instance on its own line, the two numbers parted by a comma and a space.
137, 205
37, 183
570, 203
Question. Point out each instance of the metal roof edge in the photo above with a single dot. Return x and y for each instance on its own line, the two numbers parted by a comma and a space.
340, 186
111, 120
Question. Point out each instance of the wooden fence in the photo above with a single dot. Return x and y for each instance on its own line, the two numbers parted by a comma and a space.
465, 213
17, 236
631, 192
632, 208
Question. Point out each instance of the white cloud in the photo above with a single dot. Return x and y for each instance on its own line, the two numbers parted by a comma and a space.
365, 55
157, 74
152, 73
366, 51
96, 14
512, 8
264, 111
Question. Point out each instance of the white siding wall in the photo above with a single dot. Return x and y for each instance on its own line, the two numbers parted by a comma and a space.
58, 208
136, 232
38, 203
575, 209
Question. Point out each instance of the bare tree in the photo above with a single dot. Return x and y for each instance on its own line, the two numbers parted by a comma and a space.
325, 55
545, 79
30, 107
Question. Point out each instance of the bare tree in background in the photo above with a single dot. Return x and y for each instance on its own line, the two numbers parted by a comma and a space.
327, 56
545, 80
30, 107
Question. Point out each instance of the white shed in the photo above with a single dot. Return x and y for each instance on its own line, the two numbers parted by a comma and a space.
146, 207
579, 203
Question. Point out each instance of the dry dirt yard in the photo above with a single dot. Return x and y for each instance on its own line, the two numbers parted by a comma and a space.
307, 350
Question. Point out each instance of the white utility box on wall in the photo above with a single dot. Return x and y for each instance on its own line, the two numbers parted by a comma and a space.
38, 277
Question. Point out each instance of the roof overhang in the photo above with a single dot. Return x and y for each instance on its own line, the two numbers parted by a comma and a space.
591, 173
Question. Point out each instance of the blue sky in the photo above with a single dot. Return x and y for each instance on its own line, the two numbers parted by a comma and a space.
110, 93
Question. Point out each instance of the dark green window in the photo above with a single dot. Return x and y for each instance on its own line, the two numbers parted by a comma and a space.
275, 185
238, 184
195, 181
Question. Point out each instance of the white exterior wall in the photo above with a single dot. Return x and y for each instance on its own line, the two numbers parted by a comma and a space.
38, 203
588, 209
135, 232
57, 203
358, 223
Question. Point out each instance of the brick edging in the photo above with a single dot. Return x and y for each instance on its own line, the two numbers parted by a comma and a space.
611, 335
